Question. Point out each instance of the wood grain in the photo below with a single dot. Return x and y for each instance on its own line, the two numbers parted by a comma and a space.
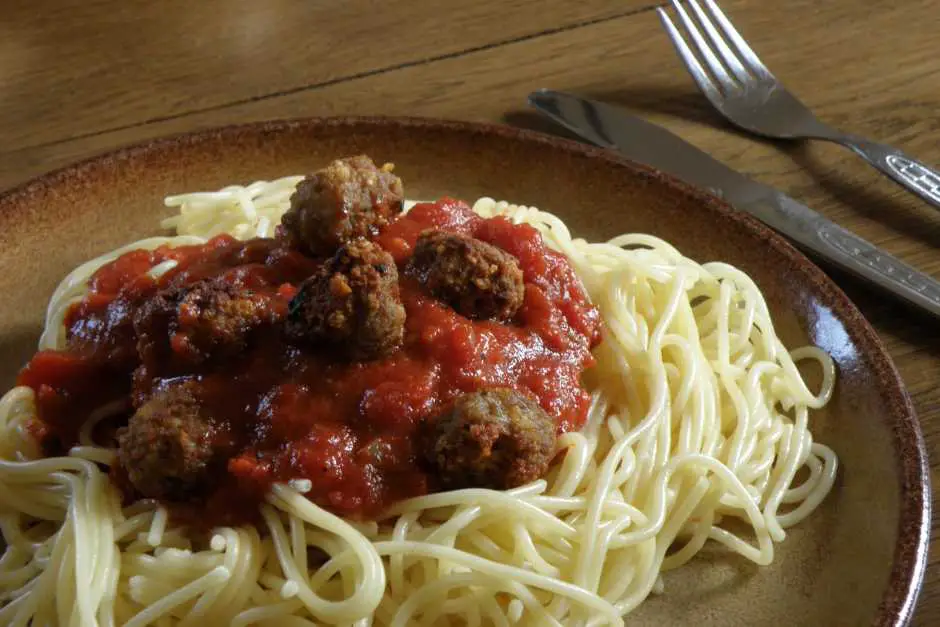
72, 68
870, 68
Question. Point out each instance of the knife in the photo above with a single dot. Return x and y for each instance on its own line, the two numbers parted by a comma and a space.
611, 127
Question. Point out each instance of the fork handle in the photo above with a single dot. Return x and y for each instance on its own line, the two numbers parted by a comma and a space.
918, 178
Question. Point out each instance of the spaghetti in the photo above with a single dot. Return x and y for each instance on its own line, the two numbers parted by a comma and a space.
698, 416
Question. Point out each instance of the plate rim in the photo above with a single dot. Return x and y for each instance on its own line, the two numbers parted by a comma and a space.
914, 525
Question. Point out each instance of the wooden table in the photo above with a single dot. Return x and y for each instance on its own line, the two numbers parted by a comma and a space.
82, 76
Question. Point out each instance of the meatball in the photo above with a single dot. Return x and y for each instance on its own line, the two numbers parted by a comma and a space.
349, 199
352, 303
188, 325
170, 447
477, 279
495, 438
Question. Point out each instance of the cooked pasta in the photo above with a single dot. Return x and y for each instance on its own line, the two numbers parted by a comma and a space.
699, 416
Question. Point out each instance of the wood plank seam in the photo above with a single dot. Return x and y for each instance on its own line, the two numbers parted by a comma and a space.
356, 76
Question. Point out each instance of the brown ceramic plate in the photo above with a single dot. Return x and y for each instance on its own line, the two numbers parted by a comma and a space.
859, 560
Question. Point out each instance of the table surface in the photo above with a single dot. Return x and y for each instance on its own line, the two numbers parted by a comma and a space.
82, 76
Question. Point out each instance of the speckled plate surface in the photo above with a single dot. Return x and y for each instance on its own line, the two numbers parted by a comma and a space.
859, 560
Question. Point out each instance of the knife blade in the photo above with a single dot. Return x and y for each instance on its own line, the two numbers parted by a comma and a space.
611, 127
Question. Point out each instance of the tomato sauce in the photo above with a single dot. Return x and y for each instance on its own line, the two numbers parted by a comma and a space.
297, 412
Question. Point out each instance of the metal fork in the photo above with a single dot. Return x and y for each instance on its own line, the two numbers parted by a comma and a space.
741, 87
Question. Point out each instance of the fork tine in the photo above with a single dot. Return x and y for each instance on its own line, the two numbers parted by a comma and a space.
699, 75
724, 52
714, 63
744, 51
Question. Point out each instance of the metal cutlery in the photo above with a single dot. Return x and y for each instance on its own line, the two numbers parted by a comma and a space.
611, 127
741, 87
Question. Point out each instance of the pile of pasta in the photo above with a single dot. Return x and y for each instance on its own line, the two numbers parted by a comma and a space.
699, 416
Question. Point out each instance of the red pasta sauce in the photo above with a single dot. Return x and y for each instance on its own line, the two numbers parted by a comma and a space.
300, 412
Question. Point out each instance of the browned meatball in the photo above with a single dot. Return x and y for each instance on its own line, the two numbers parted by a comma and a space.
188, 325
496, 438
351, 303
348, 199
170, 448
477, 279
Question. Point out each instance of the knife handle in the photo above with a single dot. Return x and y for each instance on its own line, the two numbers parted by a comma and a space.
858, 256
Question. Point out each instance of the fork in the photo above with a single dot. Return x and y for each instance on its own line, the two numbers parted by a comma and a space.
741, 87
